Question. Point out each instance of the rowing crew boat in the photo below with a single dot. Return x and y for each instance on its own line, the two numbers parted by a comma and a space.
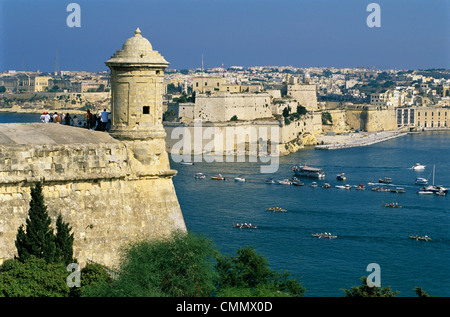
323, 235
279, 209
244, 226
417, 238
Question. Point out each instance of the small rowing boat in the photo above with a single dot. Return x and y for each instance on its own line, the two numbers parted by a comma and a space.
341, 177
393, 205
244, 226
324, 235
422, 238
199, 176
276, 209
220, 177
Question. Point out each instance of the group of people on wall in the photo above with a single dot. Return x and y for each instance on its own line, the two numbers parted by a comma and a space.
94, 122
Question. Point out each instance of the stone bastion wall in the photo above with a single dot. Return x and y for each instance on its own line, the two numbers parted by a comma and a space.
101, 186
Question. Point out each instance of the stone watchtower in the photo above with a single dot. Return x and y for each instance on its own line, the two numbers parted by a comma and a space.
137, 78
111, 188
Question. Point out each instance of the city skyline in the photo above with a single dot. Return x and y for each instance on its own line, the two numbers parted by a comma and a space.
413, 34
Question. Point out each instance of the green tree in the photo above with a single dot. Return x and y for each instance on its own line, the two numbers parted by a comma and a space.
2, 89
63, 242
326, 118
38, 239
234, 118
366, 291
420, 292
248, 274
33, 277
301, 110
95, 279
181, 265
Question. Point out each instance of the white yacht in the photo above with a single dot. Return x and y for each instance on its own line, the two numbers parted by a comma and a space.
418, 167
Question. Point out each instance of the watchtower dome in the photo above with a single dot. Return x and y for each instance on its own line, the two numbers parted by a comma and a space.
137, 78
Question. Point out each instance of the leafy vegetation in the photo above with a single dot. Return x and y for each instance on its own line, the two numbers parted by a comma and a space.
366, 291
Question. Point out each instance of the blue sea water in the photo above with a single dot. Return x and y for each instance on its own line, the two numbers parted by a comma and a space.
367, 232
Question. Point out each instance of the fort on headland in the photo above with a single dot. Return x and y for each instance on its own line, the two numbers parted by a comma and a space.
112, 188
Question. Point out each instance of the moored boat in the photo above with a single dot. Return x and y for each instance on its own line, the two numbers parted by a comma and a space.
435, 188
307, 171
397, 190
284, 182
421, 181
385, 180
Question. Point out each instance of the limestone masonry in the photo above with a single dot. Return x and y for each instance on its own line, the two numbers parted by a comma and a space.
111, 188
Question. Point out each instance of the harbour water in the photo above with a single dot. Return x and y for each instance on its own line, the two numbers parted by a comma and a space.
367, 232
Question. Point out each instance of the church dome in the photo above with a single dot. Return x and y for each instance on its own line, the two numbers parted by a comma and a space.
137, 50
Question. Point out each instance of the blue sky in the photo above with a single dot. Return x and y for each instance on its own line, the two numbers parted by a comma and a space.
414, 34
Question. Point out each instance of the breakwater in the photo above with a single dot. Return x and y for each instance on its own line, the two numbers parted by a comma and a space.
369, 139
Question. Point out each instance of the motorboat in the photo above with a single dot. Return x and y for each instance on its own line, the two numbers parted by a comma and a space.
239, 179
385, 180
341, 177
297, 183
418, 167
270, 181
307, 171
284, 182
199, 176
397, 190
421, 181
343, 186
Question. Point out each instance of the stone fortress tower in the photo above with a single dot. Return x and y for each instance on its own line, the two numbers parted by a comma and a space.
111, 188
